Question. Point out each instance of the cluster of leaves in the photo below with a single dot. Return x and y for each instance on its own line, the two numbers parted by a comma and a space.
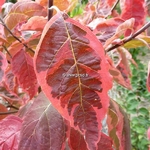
136, 101
55, 75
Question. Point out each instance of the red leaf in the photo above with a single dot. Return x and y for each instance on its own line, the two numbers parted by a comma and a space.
106, 29
105, 142
73, 72
134, 9
10, 132
148, 133
43, 127
35, 23
1, 3
2, 109
3, 66
76, 140
22, 67
21, 11
123, 67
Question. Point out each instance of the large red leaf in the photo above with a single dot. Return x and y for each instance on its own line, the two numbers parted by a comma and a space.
73, 72
22, 67
3, 66
43, 127
10, 132
134, 9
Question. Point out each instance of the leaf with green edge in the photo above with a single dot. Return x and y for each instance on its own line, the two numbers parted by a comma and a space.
3, 66
21, 11
10, 132
134, 9
22, 67
43, 127
122, 128
73, 72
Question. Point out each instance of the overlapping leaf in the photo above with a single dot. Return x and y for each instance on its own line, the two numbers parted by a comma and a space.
2, 109
43, 127
134, 9
21, 11
3, 66
76, 140
118, 127
10, 132
22, 66
107, 28
73, 72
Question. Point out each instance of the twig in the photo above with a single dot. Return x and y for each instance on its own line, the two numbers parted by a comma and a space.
130, 37
9, 112
114, 6
50, 11
3, 23
6, 51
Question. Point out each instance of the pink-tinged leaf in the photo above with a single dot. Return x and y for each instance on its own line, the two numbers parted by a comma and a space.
121, 30
73, 72
22, 67
76, 140
123, 67
21, 11
106, 29
119, 127
2, 109
43, 127
3, 66
134, 9
1, 3
36, 23
8, 95
148, 133
105, 142
10, 132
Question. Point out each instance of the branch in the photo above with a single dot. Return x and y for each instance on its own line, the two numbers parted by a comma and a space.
50, 11
9, 112
114, 6
130, 37
6, 51
3, 23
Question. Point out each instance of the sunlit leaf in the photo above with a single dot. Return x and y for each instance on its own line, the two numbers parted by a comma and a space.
22, 67
21, 11
134, 9
3, 66
121, 31
73, 72
43, 127
36, 23
106, 29
10, 132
